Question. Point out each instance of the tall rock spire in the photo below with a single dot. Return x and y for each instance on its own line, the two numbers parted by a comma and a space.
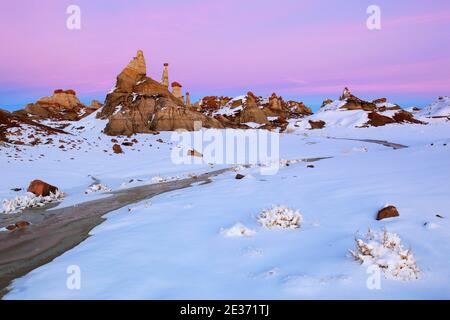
188, 100
176, 90
135, 71
165, 76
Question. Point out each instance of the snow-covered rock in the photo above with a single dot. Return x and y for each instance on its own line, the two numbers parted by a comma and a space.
439, 108
238, 230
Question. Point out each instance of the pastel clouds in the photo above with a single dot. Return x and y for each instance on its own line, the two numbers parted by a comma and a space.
296, 48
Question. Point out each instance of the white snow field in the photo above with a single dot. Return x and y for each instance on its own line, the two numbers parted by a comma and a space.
205, 242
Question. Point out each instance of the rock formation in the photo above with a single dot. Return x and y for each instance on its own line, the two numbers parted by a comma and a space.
188, 100
165, 75
440, 109
14, 126
62, 105
379, 112
252, 112
41, 188
176, 90
133, 73
140, 104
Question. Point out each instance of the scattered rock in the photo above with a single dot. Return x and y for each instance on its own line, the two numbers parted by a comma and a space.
194, 153
16, 189
18, 225
41, 188
117, 148
387, 212
127, 144
439, 216
320, 124
11, 227
239, 176
310, 166
378, 120
22, 224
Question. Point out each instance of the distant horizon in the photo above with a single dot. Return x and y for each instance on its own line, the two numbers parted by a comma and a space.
293, 48
313, 102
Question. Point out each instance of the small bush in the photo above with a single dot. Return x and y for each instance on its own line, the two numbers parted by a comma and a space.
385, 250
29, 200
97, 188
280, 217
238, 230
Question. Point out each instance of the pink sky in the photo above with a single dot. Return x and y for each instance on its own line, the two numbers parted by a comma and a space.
303, 49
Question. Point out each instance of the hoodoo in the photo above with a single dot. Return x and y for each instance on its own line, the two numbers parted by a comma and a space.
176, 90
165, 75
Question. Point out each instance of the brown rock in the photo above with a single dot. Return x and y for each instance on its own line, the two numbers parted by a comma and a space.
140, 104
405, 116
251, 111
299, 109
134, 72
117, 148
22, 224
194, 153
41, 188
387, 212
378, 120
320, 124
11, 227
380, 100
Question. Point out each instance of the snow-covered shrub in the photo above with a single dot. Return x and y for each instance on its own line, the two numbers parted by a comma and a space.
29, 200
385, 250
238, 230
280, 217
98, 187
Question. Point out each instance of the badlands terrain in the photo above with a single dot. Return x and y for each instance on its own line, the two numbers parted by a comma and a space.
358, 206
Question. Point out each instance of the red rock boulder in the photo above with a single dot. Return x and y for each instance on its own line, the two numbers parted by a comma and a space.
317, 124
41, 188
117, 148
387, 212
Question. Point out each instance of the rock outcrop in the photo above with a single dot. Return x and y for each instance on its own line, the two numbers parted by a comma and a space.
320, 124
19, 129
62, 105
250, 110
376, 113
440, 109
139, 104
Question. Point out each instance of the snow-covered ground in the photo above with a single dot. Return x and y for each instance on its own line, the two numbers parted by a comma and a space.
208, 242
